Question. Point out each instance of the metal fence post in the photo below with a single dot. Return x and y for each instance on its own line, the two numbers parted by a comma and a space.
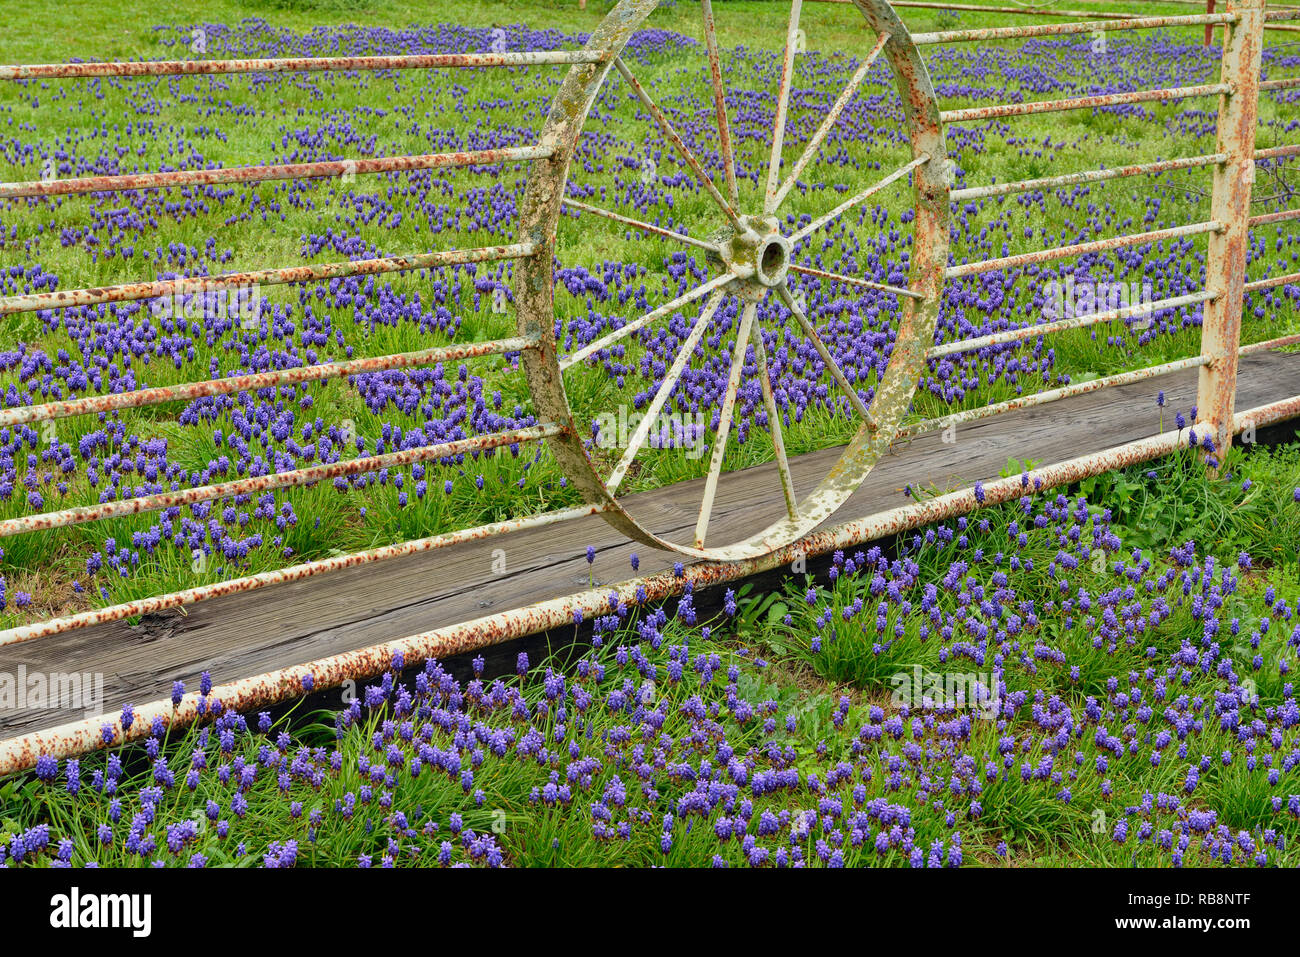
1225, 270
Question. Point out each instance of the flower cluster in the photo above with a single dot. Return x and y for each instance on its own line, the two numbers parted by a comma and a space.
1124, 700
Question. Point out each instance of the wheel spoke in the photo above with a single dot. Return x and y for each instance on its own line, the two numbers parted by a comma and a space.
720, 103
848, 204
832, 366
774, 421
670, 380
782, 108
724, 422
638, 224
855, 281
815, 143
631, 327
681, 146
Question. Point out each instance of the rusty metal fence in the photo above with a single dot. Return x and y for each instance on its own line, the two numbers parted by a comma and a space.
1030, 10
754, 259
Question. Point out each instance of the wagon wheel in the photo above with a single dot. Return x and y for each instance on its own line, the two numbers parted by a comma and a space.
750, 255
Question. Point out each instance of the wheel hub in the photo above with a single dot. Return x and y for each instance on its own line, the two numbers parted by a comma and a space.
759, 255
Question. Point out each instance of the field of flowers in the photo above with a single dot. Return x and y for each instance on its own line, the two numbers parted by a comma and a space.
1115, 707
1101, 676
607, 276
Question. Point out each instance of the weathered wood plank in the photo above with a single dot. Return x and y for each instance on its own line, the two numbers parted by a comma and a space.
247, 634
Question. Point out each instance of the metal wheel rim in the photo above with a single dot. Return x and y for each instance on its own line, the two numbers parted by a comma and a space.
534, 283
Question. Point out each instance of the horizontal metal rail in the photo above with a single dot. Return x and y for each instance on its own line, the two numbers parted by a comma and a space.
1282, 216
1101, 175
262, 174
1286, 280
1045, 11
1061, 325
1267, 344
1277, 152
200, 593
263, 277
424, 61
1287, 83
1065, 29
1081, 103
287, 684
259, 380
275, 480
1064, 252
1030, 10
1050, 395
1088, 176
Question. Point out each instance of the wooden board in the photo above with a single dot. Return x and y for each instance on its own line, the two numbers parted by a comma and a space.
284, 625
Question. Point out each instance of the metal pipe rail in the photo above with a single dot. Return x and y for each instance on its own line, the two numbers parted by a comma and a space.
1088, 176
1100, 175
1082, 103
1096, 246
263, 174
1050, 395
1048, 11
1068, 29
300, 572
429, 61
1287, 280
1062, 325
129, 292
1277, 152
1266, 219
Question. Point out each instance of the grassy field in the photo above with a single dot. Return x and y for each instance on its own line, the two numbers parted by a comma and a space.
673, 740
